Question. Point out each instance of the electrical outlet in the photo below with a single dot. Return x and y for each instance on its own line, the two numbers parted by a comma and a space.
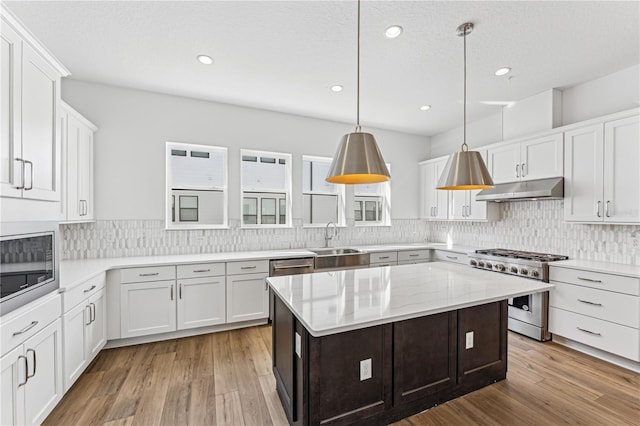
365, 369
298, 346
469, 340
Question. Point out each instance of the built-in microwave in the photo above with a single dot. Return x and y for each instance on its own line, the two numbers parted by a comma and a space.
28, 262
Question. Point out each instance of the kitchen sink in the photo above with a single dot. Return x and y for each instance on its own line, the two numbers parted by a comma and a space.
339, 258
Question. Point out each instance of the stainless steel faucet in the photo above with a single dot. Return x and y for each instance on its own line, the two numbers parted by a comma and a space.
329, 235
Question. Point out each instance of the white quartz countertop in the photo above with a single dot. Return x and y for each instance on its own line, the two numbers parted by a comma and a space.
414, 246
604, 267
334, 302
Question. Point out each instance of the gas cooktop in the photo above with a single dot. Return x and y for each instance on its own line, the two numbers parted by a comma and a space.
518, 254
522, 263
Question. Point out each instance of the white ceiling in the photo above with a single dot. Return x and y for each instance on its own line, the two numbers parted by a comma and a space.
284, 55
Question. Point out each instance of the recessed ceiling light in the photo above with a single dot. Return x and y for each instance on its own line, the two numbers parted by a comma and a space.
393, 31
425, 107
503, 71
336, 88
204, 59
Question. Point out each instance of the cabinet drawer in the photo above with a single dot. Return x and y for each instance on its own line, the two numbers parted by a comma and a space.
151, 273
384, 257
449, 256
201, 270
80, 292
617, 283
381, 264
606, 305
413, 255
610, 337
26, 323
248, 267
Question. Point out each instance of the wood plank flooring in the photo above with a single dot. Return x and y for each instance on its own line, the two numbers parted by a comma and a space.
225, 379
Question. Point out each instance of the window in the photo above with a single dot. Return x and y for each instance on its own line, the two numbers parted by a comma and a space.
372, 203
323, 202
266, 188
196, 186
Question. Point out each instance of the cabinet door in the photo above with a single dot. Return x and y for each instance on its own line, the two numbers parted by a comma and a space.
201, 302
75, 326
458, 205
98, 325
72, 147
542, 157
481, 210
85, 172
12, 380
40, 144
44, 389
583, 177
504, 163
622, 170
425, 195
247, 297
147, 308
441, 197
11, 170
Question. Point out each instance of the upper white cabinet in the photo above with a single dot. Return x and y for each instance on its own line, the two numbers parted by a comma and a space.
30, 93
537, 158
77, 147
602, 173
434, 203
463, 205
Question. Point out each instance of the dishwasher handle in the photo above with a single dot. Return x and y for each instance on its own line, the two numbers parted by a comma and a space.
290, 267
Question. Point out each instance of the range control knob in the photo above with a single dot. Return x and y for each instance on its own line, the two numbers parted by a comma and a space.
481, 264
472, 262
514, 270
524, 271
489, 265
500, 267
535, 273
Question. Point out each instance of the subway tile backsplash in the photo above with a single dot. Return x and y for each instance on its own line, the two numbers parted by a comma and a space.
531, 225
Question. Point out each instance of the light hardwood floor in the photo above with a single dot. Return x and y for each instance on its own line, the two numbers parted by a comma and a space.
225, 379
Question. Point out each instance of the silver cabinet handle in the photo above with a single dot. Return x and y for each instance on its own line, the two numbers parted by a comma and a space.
436, 210
35, 360
92, 312
201, 270
598, 208
588, 331
292, 267
589, 279
414, 255
523, 170
85, 308
31, 174
26, 370
452, 257
589, 303
517, 170
606, 209
152, 274
89, 289
21, 174
79, 207
433, 212
383, 257
248, 267
180, 291
171, 291
27, 328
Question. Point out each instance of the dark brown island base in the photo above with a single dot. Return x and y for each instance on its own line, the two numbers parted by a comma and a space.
383, 373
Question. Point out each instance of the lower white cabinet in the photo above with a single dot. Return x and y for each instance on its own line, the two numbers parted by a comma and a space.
147, 308
247, 297
31, 378
201, 302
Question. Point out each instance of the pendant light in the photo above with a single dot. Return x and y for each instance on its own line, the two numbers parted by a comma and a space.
465, 169
358, 159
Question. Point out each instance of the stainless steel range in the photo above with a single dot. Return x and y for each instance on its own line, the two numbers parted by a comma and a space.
528, 315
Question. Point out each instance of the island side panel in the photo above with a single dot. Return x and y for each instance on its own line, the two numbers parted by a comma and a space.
284, 357
486, 361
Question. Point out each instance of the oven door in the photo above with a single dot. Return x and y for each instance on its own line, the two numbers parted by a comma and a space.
531, 309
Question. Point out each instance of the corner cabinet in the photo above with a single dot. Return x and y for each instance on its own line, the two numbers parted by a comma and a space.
30, 93
602, 173
433, 202
78, 165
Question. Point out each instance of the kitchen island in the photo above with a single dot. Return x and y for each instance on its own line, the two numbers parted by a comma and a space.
372, 346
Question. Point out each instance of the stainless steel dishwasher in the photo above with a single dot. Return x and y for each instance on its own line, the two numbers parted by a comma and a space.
280, 267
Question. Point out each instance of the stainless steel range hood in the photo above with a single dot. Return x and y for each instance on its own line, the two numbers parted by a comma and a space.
541, 189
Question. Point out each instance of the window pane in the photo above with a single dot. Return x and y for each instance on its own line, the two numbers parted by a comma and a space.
283, 211
199, 154
250, 206
268, 211
188, 202
260, 176
320, 209
179, 152
370, 208
358, 211
202, 169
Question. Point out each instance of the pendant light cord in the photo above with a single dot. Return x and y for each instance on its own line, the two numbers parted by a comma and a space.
358, 76
465, 147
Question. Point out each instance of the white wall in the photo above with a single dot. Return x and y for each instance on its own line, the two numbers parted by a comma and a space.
480, 132
134, 125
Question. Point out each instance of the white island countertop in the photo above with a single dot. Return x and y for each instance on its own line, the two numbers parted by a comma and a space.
333, 302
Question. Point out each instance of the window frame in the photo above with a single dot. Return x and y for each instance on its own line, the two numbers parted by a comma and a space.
341, 194
384, 196
172, 204
287, 190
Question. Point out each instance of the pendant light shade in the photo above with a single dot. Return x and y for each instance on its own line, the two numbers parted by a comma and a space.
465, 169
358, 159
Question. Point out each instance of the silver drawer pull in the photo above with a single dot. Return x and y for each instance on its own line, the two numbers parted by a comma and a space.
150, 274
589, 279
248, 267
414, 255
90, 288
27, 328
589, 303
383, 257
590, 332
452, 257
201, 270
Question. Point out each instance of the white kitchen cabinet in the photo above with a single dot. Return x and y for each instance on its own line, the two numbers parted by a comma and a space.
247, 293
31, 149
201, 295
78, 165
13, 373
433, 205
602, 173
463, 205
536, 158
147, 308
385, 258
